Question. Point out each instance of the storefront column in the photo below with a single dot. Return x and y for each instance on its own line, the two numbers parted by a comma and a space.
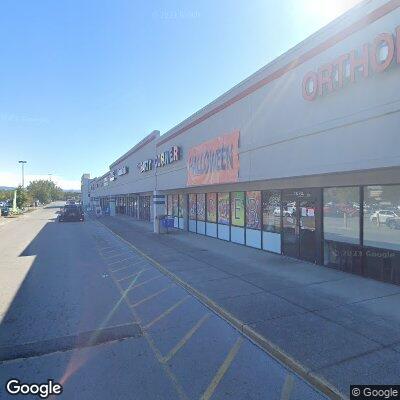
158, 209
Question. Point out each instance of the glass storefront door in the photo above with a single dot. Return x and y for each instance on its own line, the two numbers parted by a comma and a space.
290, 226
301, 219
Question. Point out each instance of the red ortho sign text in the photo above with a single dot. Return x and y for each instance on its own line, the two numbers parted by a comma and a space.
376, 56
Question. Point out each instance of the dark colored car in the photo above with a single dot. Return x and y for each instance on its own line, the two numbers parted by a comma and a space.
71, 212
5, 211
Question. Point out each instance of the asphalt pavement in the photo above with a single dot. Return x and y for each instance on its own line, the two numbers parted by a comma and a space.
335, 329
81, 306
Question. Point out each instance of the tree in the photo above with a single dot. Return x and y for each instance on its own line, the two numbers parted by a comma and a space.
45, 191
6, 195
23, 197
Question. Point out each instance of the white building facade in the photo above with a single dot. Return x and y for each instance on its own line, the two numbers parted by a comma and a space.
301, 159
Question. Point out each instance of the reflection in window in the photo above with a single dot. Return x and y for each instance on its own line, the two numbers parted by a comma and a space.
237, 208
253, 210
382, 216
212, 207
342, 214
271, 211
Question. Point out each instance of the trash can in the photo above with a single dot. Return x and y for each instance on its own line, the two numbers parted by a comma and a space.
166, 223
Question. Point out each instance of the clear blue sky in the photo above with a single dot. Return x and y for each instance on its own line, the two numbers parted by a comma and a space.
83, 80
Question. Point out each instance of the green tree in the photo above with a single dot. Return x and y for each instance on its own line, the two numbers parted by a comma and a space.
23, 197
6, 195
45, 191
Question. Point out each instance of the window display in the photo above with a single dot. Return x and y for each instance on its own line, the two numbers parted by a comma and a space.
212, 207
253, 210
192, 206
201, 206
271, 210
237, 208
223, 208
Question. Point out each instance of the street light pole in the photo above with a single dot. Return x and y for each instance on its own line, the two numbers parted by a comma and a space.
22, 165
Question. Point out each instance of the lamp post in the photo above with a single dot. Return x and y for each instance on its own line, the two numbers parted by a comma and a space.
22, 165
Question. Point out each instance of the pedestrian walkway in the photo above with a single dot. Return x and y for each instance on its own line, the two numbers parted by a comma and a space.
331, 326
202, 355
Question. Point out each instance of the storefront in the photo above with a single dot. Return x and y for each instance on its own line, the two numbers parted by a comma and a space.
300, 159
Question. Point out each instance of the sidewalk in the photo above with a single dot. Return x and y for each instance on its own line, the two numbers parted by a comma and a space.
336, 327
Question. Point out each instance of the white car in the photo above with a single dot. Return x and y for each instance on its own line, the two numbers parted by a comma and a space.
382, 216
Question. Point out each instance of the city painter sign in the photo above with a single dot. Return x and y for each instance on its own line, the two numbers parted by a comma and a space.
215, 161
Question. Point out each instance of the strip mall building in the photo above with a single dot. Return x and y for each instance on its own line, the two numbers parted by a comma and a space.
302, 158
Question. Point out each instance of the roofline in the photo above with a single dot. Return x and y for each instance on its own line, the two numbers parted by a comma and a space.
153, 135
337, 37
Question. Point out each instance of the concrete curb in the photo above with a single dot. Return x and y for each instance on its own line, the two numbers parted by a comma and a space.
275, 351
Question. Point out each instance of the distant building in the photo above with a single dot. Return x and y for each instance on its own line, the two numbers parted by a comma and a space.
85, 193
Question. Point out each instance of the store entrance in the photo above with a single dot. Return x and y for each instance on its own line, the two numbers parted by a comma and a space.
301, 220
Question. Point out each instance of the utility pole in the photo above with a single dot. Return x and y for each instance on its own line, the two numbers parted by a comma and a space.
22, 162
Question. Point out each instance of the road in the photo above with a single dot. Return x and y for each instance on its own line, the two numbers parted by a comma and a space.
82, 307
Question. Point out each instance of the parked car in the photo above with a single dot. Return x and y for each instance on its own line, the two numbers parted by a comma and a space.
71, 212
383, 216
393, 223
5, 211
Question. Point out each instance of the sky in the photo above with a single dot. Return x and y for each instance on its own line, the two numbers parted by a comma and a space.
82, 81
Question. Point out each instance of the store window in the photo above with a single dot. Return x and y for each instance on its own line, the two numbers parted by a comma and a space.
341, 219
201, 207
181, 205
382, 217
175, 205
169, 204
223, 209
342, 214
212, 207
192, 206
237, 208
253, 210
271, 211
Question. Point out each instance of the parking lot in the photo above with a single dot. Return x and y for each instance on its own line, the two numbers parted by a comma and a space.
98, 283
